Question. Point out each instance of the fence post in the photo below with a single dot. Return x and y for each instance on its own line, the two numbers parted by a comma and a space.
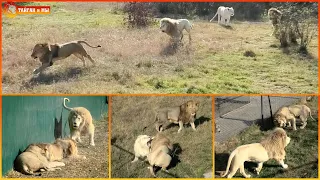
262, 109
270, 107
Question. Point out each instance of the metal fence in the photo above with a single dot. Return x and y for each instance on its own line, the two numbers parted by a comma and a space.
234, 114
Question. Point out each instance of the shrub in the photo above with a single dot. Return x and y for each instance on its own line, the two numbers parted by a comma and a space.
138, 14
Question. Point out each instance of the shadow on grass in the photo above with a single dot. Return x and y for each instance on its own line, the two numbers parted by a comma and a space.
171, 48
227, 27
314, 165
48, 79
265, 124
197, 122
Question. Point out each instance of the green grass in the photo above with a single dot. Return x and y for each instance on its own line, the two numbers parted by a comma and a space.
301, 153
195, 148
214, 63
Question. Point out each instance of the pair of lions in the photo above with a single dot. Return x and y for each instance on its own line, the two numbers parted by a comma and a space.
49, 53
174, 28
286, 116
157, 149
80, 123
272, 147
44, 156
183, 114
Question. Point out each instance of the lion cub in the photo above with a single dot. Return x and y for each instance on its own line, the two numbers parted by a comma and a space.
80, 122
160, 150
272, 147
183, 114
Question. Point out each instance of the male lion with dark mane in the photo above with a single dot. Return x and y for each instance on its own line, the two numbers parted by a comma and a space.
272, 147
49, 53
183, 114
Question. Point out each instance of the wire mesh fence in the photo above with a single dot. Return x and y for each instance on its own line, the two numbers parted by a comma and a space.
235, 113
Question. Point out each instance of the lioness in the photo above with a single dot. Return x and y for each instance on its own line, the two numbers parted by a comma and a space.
34, 159
80, 122
272, 147
301, 111
48, 53
160, 149
183, 114
286, 116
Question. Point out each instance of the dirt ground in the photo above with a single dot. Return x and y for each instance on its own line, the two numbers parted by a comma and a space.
94, 166
193, 149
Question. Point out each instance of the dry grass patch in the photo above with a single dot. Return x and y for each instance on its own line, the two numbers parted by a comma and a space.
214, 63
129, 117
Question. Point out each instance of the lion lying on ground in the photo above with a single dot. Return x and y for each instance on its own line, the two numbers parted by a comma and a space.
272, 147
183, 114
174, 28
80, 122
49, 53
275, 17
286, 116
160, 150
35, 158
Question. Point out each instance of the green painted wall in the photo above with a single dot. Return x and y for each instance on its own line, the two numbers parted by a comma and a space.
32, 119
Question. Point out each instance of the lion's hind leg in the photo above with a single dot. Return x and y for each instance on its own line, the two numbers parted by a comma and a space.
80, 56
304, 122
89, 57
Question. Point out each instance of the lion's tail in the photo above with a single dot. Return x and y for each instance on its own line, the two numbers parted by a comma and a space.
214, 17
64, 104
311, 116
88, 44
229, 162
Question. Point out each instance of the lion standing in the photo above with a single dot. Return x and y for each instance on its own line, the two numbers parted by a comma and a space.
183, 114
275, 16
80, 122
272, 147
174, 28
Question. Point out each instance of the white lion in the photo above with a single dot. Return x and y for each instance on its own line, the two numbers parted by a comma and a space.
224, 13
174, 27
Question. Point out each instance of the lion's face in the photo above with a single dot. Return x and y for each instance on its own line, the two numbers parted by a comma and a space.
192, 107
76, 121
280, 121
39, 50
231, 11
163, 26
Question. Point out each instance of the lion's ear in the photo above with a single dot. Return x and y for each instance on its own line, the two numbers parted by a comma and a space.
183, 106
197, 103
